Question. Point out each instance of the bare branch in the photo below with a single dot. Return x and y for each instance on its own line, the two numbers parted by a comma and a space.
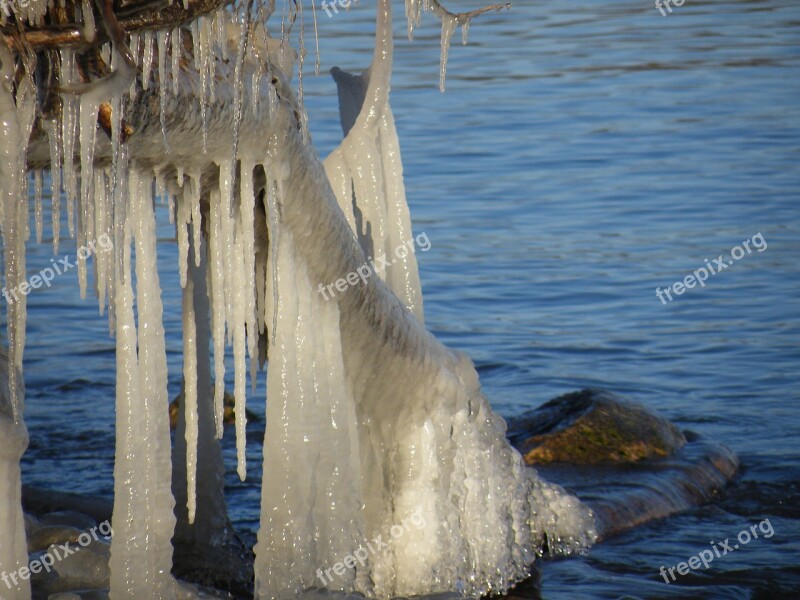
463, 17
146, 17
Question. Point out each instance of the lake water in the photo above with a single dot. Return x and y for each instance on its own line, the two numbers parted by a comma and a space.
585, 153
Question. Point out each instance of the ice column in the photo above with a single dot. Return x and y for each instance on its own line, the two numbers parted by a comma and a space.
15, 122
366, 173
198, 461
311, 496
141, 550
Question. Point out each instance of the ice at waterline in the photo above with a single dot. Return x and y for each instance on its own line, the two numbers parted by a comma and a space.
370, 420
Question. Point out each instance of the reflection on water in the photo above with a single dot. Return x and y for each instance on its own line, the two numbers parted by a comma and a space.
583, 155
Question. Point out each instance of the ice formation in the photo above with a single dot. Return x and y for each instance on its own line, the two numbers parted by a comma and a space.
371, 422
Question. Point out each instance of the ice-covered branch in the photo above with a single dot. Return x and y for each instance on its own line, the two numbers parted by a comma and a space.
464, 17
449, 22
139, 16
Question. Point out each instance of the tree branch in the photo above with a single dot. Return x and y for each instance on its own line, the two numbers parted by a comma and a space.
464, 17
133, 19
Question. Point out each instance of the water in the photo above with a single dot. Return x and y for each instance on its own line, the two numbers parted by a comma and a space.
584, 154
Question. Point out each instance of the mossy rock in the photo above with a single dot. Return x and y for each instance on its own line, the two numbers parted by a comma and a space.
594, 427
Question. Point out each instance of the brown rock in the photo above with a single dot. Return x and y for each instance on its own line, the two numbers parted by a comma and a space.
593, 427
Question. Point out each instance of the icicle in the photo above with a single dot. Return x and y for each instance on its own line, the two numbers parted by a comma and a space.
448, 27
311, 503
105, 53
197, 46
182, 224
240, 282
135, 52
247, 220
317, 59
102, 230
301, 63
141, 549
465, 31
196, 216
163, 40
158, 176
190, 383
413, 16
147, 59
37, 203
202, 50
54, 137
89, 105
16, 120
118, 210
255, 84
226, 172
89, 31
69, 123
367, 165
238, 85
153, 387
220, 30
273, 226
211, 60
217, 296
177, 53
403, 277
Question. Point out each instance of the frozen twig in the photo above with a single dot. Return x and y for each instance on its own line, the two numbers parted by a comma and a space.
464, 17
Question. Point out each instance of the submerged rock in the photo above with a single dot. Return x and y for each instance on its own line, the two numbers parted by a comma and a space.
593, 427
229, 417
628, 464
43, 537
41, 502
80, 595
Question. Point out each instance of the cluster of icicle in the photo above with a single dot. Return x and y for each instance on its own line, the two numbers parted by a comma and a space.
365, 428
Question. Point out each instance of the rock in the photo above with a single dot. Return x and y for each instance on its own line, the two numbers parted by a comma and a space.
46, 536
41, 501
188, 591
593, 427
629, 465
70, 518
79, 569
80, 595
229, 417
31, 524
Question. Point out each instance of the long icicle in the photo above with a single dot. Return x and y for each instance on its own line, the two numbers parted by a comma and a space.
190, 383
217, 296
